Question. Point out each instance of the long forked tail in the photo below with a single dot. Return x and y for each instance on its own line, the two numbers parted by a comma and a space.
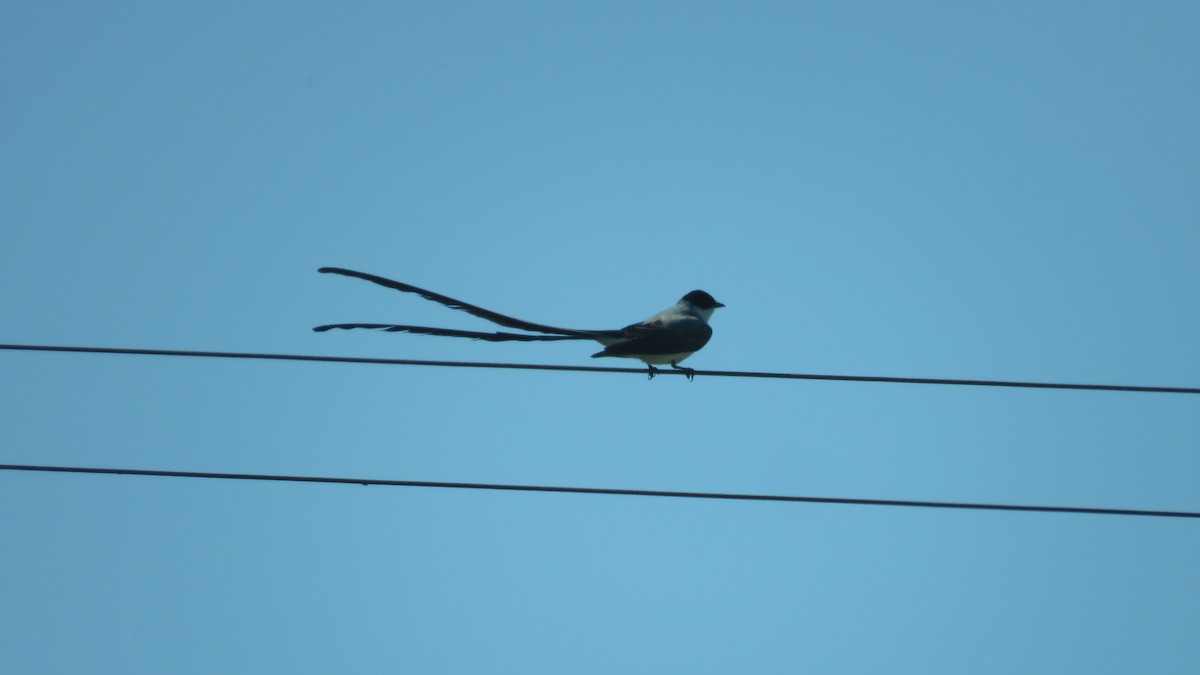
450, 332
555, 333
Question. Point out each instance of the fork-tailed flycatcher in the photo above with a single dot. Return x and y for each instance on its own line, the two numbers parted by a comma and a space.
670, 336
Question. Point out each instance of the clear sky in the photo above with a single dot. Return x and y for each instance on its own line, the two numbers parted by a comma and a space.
1002, 190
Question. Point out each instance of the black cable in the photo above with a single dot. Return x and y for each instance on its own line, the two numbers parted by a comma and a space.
603, 491
606, 369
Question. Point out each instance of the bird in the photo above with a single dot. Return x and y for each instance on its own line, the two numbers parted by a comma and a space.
668, 337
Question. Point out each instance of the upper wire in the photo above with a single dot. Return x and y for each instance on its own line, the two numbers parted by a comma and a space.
604, 369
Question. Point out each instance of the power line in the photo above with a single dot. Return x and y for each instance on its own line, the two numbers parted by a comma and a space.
601, 491
605, 369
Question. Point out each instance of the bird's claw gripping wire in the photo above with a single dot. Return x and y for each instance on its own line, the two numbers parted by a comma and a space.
689, 372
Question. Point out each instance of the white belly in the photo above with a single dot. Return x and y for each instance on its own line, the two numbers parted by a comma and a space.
661, 359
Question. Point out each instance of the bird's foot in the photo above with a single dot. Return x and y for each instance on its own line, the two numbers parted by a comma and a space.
689, 372
651, 372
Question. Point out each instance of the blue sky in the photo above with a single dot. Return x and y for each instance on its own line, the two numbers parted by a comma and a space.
964, 190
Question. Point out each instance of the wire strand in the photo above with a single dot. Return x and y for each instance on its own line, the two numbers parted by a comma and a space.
601, 491
603, 369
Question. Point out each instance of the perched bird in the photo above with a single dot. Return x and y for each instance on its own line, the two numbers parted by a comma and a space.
670, 336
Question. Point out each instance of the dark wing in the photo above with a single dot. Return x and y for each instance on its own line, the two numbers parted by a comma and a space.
494, 317
448, 332
651, 338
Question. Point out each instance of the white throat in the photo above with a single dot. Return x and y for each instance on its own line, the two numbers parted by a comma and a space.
702, 314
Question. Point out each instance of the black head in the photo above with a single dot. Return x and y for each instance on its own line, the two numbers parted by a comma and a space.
702, 300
